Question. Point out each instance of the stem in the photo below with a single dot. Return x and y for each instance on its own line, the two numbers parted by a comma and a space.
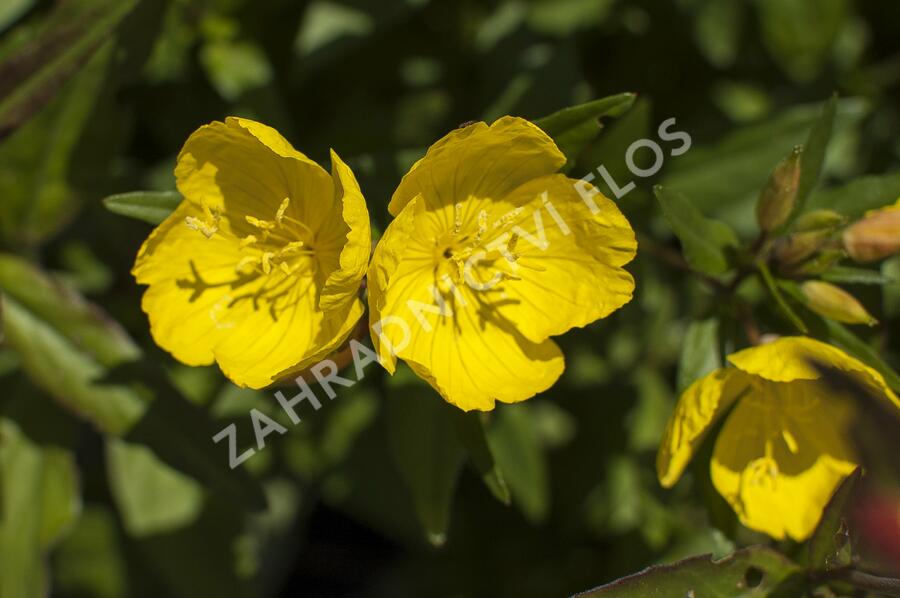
776, 294
865, 581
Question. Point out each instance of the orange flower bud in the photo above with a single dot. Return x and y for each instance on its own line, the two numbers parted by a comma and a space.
875, 237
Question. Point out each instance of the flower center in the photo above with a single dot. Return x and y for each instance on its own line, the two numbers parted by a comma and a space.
481, 258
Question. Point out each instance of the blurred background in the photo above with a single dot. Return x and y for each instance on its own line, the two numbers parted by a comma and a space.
375, 494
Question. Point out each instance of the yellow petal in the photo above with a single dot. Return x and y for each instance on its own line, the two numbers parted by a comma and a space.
461, 347
265, 346
189, 277
699, 408
245, 168
569, 261
354, 238
385, 260
781, 454
455, 167
791, 358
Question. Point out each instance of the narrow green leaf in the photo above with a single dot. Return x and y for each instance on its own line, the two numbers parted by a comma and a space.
705, 242
814, 150
827, 546
471, 433
699, 353
149, 206
851, 275
427, 454
34, 74
573, 128
749, 572
860, 195
517, 450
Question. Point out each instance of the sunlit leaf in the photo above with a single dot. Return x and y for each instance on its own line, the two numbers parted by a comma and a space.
573, 128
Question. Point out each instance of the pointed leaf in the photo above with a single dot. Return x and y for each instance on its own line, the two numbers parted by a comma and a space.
517, 449
427, 454
814, 149
573, 128
149, 206
471, 433
755, 571
828, 542
705, 242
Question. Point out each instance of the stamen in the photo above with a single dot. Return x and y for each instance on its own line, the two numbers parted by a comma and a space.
246, 261
457, 217
248, 240
482, 225
207, 230
267, 261
279, 215
507, 218
263, 225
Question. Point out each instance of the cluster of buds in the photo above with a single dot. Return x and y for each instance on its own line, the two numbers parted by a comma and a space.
817, 240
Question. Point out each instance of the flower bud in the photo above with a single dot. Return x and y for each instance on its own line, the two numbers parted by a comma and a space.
875, 237
819, 220
835, 303
822, 262
796, 247
779, 197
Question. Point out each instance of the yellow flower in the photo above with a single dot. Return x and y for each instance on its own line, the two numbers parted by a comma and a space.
784, 447
258, 269
491, 253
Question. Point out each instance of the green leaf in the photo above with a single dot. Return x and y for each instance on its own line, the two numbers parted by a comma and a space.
40, 496
573, 128
517, 449
427, 454
699, 352
814, 152
471, 433
705, 242
31, 76
152, 498
860, 195
67, 346
846, 340
90, 562
829, 543
755, 571
851, 275
149, 206
64, 350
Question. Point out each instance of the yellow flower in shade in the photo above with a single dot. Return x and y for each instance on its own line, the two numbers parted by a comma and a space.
491, 253
785, 444
259, 267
